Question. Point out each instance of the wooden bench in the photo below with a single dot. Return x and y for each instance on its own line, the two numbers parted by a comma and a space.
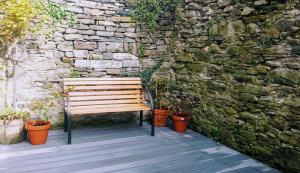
104, 95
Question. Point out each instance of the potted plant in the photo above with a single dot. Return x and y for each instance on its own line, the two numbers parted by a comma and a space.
38, 129
161, 110
180, 103
11, 125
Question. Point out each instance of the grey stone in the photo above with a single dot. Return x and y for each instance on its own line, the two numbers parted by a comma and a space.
108, 56
73, 37
114, 47
71, 31
105, 34
131, 63
247, 10
69, 54
124, 56
81, 53
260, 2
11, 132
85, 45
65, 46
94, 12
106, 23
101, 47
82, 63
113, 71
97, 27
86, 32
104, 64
86, 21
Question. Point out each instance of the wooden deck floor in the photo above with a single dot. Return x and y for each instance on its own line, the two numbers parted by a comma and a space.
127, 149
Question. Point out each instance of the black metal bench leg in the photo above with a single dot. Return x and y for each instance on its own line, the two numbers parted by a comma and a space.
69, 128
152, 124
141, 118
65, 121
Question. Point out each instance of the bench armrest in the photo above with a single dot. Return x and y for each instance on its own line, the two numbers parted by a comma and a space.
147, 91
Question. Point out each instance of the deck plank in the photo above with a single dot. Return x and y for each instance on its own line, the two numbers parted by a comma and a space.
126, 149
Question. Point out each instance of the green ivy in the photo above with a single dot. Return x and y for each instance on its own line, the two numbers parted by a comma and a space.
147, 12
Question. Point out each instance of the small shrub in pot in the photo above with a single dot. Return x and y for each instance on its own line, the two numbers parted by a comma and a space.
38, 128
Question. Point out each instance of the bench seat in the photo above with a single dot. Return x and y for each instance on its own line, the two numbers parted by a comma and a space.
85, 96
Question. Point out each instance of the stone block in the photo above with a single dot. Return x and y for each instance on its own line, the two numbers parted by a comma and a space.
131, 63
105, 64
71, 31
81, 53
101, 47
127, 25
82, 63
65, 46
93, 12
11, 132
108, 56
130, 34
86, 21
121, 19
124, 56
247, 10
85, 45
105, 34
113, 71
106, 23
71, 37
114, 47
97, 27
86, 32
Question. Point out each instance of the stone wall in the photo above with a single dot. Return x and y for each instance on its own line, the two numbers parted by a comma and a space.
101, 44
241, 60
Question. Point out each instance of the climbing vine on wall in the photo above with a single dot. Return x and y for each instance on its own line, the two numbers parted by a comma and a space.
19, 17
147, 12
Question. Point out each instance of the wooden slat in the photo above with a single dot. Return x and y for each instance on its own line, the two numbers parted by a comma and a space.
106, 102
107, 106
103, 79
110, 87
75, 83
101, 93
111, 97
96, 111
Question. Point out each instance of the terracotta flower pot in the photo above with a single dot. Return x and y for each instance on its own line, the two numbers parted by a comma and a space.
37, 134
161, 117
180, 122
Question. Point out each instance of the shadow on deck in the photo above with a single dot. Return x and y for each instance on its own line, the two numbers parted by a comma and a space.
127, 149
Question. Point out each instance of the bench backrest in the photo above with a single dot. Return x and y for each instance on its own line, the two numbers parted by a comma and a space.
105, 94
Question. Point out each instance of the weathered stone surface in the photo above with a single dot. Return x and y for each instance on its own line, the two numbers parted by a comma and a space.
124, 56
105, 33
131, 63
81, 45
81, 53
11, 132
105, 64
114, 47
65, 46
123, 19
246, 11
72, 37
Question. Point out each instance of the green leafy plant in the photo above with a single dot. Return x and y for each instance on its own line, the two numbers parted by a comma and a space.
74, 74
8, 114
180, 99
147, 12
161, 90
41, 109
145, 75
19, 18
